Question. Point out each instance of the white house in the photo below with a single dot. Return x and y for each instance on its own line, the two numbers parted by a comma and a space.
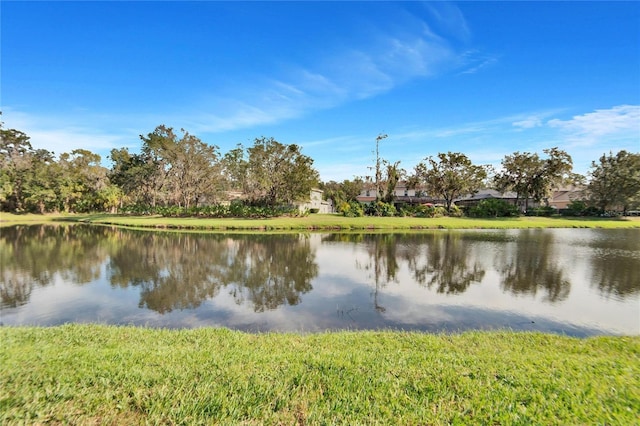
316, 203
403, 194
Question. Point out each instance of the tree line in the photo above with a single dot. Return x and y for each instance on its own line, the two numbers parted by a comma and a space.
172, 169
178, 172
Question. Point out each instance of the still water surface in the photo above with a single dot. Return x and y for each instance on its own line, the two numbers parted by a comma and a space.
571, 281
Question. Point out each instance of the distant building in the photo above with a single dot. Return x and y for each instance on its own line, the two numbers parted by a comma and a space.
562, 197
316, 203
472, 200
403, 194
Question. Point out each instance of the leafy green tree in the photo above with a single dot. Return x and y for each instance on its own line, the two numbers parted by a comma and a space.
615, 181
130, 173
110, 198
277, 173
171, 169
450, 176
40, 193
156, 168
194, 171
342, 192
234, 166
16, 155
531, 176
393, 174
81, 177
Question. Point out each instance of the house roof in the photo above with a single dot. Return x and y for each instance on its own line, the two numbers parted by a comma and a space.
486, 193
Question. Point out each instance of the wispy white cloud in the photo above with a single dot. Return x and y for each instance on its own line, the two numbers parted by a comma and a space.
488, 141
393, 56
344, 142
529, 122
403, 48
46, 132
482, 127
619, 122
473, 61
450, 18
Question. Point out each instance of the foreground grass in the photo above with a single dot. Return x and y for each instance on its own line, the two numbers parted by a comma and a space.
89, 374
326, 222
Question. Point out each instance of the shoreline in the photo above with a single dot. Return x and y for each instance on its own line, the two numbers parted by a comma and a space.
320, 223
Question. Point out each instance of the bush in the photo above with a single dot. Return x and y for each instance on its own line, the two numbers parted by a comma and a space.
380, 208
351, 209
455, 211
417, 210
575, 208
438, 211
493, 207
592, 211
236, 209
542, 211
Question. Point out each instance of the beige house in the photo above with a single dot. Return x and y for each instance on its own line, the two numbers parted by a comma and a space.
402, 194
472, 200
561, 198
316, 203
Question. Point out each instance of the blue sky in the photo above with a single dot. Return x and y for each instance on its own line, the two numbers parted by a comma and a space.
483, 78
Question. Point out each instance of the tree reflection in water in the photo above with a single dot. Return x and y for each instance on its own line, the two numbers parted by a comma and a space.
172, 270
271, 270
180, 271
32, 255
176, 271
533, 266
448, 264
382, 264
613, 270
440, 260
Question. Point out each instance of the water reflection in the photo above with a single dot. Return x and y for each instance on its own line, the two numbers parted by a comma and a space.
178, 271
614, 251
271, 270
449, 265
530, 264
173, 271
266, 281
441, 261
31, 255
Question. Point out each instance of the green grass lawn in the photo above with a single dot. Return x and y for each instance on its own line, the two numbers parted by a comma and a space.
91, 374
326, 222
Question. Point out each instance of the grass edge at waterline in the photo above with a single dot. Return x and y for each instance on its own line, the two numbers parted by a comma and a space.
86, 374
321, 222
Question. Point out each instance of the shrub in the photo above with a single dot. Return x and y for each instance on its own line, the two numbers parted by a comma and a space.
493, 207
455, 211
380, 208
438, 211
592, 211
413, 210
351, 209
542, 211
575, 208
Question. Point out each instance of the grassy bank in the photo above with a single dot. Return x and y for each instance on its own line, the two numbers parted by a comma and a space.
326, 222
88, 374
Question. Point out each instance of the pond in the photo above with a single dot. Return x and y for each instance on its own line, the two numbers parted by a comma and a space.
578, 282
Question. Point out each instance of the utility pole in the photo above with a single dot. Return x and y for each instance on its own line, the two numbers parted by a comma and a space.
380, 137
